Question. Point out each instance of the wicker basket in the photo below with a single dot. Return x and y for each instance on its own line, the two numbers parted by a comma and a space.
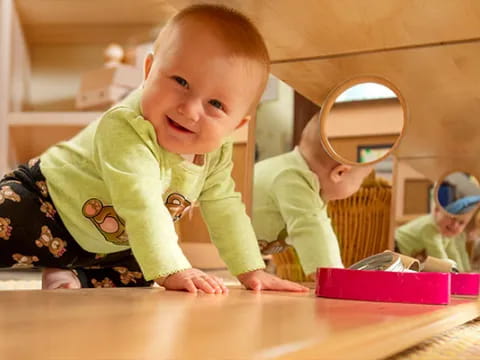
361, 222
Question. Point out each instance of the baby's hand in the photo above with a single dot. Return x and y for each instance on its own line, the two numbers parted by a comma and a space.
193, 280
260, 280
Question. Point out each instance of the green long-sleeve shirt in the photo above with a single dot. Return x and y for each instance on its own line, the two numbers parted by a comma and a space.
287, 197
423, 234
116, 188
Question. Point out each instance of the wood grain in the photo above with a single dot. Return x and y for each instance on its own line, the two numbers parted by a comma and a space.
155, 324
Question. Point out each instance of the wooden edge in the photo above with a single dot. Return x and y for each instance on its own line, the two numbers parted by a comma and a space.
6, 15
375, 342
81, 118
393, 205
38, 118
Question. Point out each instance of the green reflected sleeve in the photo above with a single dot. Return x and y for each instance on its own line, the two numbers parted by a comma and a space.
308, 226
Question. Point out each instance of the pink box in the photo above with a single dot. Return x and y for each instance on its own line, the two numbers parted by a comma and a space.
384, 286
465, 284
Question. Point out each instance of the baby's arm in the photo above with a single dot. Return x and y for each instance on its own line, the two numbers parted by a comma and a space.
231, 230
129, 167
433, 243
457, 251
260, 280
308, 226
193, 280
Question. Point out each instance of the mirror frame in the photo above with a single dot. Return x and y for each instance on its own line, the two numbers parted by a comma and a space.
437, 186
330, 102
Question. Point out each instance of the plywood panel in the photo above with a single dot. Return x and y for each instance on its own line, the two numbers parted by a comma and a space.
417, 196
434, 168
439, 85
31, 141
155, 324
94, 34
313, 28
402, 173
365, 118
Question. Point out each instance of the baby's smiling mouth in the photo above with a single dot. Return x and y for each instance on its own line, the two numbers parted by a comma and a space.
178, 126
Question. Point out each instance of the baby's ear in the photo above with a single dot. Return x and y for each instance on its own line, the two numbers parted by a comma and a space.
338, 173
243, 122
147, 66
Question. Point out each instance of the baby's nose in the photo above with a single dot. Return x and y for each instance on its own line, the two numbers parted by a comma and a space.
191, 109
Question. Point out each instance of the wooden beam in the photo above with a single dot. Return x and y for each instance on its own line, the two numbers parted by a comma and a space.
6, 15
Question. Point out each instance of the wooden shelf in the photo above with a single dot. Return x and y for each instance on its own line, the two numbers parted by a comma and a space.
76, 119
34, 118
91, 22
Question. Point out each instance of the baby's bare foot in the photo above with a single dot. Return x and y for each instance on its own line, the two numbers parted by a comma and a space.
53, 278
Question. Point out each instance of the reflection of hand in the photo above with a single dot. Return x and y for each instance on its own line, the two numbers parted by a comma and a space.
193, 280
260, 280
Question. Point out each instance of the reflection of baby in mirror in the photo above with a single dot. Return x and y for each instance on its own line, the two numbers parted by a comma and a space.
473, 240
439, 235
291, 192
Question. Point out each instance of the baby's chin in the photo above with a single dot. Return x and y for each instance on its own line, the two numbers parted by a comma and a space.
449, 233
179, 148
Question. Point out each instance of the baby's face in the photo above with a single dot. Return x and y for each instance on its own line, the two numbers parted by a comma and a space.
195, 94
451, 225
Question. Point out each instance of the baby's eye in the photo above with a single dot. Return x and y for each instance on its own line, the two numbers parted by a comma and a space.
216, 104
181, 81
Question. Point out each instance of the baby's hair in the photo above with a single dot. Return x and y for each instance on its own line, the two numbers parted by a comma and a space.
311, 143
236, 31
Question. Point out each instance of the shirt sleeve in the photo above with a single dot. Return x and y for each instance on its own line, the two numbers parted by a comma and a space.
308, 226
224, 213
459, 253
129, 165
433, 243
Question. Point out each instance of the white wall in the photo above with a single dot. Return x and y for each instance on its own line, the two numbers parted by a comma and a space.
275, 123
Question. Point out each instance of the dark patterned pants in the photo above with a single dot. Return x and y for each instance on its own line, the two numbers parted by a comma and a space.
33, 235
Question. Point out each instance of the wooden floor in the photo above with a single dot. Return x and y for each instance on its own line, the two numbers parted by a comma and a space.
150, 323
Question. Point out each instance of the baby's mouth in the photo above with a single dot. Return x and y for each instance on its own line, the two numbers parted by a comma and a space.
178, 126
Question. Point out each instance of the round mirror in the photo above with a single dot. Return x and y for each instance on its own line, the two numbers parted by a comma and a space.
362, 121
458, 193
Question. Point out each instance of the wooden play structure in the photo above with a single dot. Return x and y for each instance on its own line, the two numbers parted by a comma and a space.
429, 50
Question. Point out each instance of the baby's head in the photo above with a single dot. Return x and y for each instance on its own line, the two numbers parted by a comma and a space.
204, 79
337, 181
450, 225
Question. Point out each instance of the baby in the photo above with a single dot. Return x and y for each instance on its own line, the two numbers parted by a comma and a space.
438, 235
290, 198
99, 210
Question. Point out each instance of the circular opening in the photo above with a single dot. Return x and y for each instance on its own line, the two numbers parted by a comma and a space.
458, 193
362, 120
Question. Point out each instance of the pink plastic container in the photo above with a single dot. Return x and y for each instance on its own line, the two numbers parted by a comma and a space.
465, 284
384, 286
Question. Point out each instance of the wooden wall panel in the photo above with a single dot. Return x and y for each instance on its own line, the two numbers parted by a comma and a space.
30, 141
313, 28
439, 85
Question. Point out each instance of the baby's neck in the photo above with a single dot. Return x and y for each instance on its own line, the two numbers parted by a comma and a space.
314, 166
197, 159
